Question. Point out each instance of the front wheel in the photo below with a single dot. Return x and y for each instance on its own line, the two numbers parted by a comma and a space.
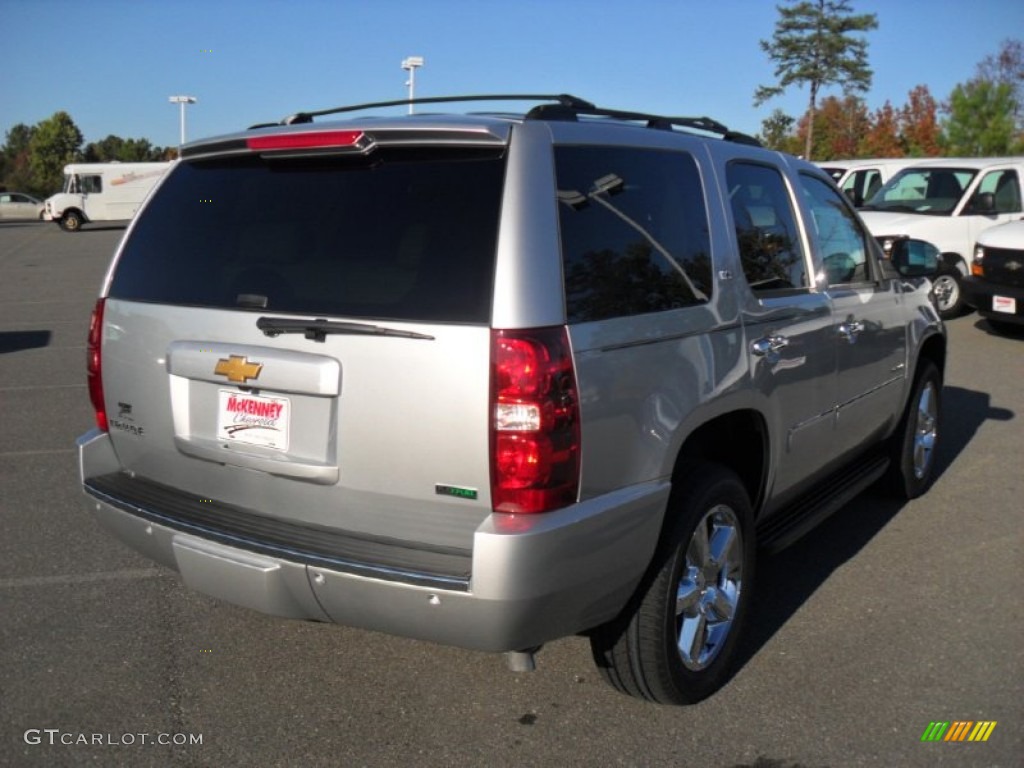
675, 641
914, 444
71, 221
949, 297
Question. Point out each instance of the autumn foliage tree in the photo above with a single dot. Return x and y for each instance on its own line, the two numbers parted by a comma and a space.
838, 127
919, 124
882, 139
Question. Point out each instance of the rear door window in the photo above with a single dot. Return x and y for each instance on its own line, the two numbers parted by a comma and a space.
406, 237
634, 231
766, 231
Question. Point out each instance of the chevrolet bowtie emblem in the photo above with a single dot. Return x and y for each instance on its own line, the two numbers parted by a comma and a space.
238, 369
1014, 265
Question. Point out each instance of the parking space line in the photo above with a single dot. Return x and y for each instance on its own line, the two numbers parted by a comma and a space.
128, 574
42, 386
46, 452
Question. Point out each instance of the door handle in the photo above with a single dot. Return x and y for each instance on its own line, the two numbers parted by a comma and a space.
850, 329
768, 345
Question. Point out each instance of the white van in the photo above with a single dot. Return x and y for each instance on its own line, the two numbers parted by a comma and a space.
102, 192
947, 202
860, 179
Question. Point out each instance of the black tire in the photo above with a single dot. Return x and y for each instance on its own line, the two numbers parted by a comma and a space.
915, 442
639, 652
948, 294
71, 221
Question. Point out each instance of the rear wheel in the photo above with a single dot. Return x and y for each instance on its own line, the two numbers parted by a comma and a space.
914, 444
71, 221
675, 641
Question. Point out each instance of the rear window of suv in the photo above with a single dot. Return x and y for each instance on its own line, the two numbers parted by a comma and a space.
634, 231
402, 237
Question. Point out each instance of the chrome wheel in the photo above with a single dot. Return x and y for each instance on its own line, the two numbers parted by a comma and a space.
946, 290
709, 589
676, 641
925, 430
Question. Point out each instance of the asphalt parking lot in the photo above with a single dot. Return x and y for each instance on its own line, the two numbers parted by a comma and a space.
883, 620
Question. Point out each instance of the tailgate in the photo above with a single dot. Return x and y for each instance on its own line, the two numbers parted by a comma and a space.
363, 434
377, 426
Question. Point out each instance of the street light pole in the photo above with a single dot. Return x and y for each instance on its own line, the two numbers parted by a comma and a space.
182, 101
409, 65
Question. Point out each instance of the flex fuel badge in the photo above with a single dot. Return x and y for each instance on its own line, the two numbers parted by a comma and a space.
456, 491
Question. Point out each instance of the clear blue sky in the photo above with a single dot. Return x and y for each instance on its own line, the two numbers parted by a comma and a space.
111, 64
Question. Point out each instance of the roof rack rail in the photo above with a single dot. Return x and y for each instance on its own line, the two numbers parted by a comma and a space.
563, 99
659, 122
563, 106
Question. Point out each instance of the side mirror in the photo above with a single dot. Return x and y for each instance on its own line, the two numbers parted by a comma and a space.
983, 202
915, 258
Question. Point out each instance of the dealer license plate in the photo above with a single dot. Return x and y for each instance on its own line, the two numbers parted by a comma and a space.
1006, 304
253, 420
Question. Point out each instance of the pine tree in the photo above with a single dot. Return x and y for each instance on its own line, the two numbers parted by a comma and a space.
815, 44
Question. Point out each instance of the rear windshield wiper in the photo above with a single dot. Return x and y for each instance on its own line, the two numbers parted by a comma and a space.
317, 330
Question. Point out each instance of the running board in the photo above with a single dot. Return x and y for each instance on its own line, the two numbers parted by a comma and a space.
792, 522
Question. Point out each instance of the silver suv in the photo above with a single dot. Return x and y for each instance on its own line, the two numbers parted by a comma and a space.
491, 380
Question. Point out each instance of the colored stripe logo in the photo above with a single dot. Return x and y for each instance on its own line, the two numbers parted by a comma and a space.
959, 730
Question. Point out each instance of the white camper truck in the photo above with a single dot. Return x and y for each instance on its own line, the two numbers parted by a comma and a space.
102, 192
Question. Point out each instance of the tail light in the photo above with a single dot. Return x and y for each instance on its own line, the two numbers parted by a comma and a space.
94, 365
535, 431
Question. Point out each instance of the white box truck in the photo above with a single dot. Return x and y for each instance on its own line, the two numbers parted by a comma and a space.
102, 192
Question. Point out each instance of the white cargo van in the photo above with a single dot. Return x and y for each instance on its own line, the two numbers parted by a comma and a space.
860, 179
947, 202
102, 192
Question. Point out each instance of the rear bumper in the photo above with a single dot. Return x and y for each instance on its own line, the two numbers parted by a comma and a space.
529, 579
981, 294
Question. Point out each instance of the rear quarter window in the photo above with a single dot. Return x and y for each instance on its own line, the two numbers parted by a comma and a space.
634, 231
403, 237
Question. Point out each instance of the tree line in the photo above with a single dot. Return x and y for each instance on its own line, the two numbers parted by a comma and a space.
33, 157
821, 43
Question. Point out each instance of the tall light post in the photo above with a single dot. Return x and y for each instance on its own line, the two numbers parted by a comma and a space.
182, 101
409, 65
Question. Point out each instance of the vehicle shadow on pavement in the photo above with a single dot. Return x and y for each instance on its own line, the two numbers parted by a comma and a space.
15, 341
87, 228
786, 580
1004, 332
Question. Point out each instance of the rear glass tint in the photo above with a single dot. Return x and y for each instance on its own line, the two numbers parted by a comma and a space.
634, 231
404, 237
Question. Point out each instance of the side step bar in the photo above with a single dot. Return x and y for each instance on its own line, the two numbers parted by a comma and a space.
791, 523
